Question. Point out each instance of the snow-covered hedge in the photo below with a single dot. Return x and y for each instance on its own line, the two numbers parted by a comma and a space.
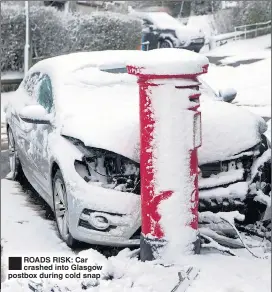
55, 33
247, 12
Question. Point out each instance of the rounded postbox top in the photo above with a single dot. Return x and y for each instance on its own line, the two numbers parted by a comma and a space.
168, 62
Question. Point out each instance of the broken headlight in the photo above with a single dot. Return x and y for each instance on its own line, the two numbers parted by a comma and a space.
109, 170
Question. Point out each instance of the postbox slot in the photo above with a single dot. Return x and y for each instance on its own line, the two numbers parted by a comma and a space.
197, 130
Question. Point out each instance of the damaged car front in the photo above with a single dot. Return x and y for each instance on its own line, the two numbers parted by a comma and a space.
234, 159
102, 193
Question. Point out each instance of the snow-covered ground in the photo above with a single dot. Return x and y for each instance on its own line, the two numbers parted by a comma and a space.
252, 80
20, 224
24, 232
244, 49
217, 273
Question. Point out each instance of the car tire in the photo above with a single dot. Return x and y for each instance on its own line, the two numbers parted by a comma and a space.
165, 44
61, 210
14, 162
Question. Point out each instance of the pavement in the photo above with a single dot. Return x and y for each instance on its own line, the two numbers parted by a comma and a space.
217, 61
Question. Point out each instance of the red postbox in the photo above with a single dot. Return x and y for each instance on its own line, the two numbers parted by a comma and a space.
170, 134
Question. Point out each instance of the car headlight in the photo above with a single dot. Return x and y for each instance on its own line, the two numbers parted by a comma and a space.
109, 170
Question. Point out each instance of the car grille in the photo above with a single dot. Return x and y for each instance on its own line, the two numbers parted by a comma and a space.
198, 41
243, 161
223, 166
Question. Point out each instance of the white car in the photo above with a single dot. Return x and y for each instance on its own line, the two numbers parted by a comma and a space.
73, 130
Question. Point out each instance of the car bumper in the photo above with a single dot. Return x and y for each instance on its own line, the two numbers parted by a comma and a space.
224, 198
120, 210
193, 47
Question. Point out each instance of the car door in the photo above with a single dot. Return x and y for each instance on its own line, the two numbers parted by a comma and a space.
41, 154
22, 130
150, 34
32, 138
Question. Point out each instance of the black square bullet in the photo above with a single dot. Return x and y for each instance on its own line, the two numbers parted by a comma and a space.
15, 263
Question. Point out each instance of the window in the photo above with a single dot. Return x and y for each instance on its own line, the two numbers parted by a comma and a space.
45, 94
39, 87
31, 82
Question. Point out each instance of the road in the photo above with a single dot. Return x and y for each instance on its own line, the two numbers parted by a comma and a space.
217, 61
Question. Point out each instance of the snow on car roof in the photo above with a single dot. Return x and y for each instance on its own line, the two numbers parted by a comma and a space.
159, 61
61, 67
161, 19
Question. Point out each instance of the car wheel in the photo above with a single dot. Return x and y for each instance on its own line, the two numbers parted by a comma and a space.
165, 44
61, 209
14, 162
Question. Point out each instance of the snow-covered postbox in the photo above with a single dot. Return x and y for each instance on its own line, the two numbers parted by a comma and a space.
170, 131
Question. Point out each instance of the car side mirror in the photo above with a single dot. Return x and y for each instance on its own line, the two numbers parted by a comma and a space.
228, 95
35, 114
151, 27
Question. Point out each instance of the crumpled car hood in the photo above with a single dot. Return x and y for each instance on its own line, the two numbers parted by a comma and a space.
226, 129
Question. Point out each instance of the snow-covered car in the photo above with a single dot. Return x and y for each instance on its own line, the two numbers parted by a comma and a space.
73, 130
161, 30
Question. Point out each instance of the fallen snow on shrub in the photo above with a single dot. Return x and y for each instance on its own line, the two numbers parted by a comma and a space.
55, 33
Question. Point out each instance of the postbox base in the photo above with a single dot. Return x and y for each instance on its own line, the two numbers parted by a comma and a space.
150, 249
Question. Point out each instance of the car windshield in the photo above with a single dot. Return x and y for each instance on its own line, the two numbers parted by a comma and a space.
206, 91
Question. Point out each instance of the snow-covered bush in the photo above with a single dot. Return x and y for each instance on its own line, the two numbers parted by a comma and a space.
247, 12
55, 33
225, 20
204, 7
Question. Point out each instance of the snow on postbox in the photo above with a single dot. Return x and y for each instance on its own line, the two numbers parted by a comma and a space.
170, 134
